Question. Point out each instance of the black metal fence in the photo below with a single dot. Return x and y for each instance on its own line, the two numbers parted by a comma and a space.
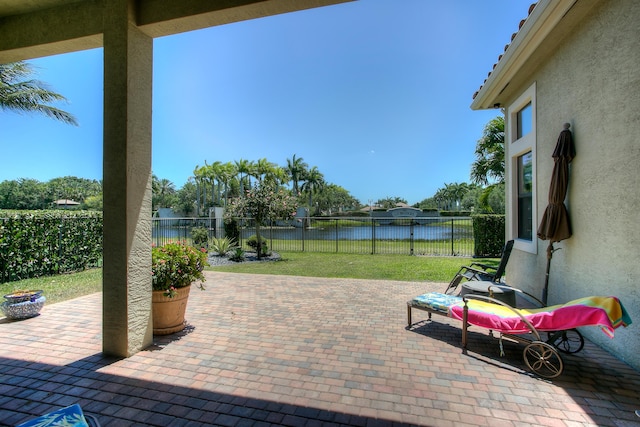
438, 236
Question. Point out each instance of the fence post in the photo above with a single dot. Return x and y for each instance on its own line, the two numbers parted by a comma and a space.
411, 224
271, 234
373, 236
452, 253
336, 235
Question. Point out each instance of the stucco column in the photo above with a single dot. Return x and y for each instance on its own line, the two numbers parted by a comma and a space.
128, 60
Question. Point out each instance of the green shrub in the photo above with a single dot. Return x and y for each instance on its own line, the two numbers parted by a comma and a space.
200, 237
455, 213
43, 243
223, 245
232, 228
253, 243
176, 265
489, 235
237, 255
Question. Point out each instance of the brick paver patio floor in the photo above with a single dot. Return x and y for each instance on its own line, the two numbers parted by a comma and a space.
279, 350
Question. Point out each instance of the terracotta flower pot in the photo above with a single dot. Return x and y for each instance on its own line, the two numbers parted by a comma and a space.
168, 313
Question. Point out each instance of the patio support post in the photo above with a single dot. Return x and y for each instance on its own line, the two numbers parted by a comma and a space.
128, 64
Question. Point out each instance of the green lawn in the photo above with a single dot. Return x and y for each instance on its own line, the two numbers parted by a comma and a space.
382, 267
61, 287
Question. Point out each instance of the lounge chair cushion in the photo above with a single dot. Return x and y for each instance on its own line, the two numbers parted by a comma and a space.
436, 302
71, 416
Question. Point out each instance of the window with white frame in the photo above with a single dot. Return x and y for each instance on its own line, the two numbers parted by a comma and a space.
521, 138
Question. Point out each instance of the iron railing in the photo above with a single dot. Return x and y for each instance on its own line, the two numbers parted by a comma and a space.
439, 236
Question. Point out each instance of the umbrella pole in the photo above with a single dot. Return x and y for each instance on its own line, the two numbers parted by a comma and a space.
546, 278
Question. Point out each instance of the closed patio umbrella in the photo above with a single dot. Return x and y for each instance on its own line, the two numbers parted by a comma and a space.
555, 225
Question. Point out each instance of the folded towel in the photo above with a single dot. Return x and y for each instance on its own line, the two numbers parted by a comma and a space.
606, 312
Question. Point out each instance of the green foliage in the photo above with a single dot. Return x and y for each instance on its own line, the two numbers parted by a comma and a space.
94, 203
428, 204
489, 233
176, 265
263, 203
30, 194
352, 214
489, 164
450, 197
200, 237
492, 199
455, 213
223, 245
237, 255
232, 228
253, 242
185, 198
42, 243
333, 200
390, 202
163, 193
20, 92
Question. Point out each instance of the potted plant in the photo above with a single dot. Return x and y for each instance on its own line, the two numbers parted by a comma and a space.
174, 266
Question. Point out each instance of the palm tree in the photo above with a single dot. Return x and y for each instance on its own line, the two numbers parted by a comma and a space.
313, 183
21, 94
199, 174
243, 168
489, 164
162, 190
226, 173
263, 169
277, 176
296, 168
457, 192
488, 169
212, 176
439, 198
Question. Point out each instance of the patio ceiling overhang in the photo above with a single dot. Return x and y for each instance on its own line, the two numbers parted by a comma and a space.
540, 34
36, 28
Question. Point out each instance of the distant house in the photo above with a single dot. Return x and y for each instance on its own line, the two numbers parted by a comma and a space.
575, 61
66, 204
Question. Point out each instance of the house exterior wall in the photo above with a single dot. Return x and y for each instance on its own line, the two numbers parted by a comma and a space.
592, 81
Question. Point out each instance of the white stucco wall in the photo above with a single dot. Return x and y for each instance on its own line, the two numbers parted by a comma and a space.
592, 81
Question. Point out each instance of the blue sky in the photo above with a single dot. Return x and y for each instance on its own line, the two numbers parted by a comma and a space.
375, 93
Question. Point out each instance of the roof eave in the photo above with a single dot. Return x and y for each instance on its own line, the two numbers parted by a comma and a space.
543, 19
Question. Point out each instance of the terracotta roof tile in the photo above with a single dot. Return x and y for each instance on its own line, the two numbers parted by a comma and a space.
513, 36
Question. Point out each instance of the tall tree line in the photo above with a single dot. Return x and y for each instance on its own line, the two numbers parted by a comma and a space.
27, 193
217, 182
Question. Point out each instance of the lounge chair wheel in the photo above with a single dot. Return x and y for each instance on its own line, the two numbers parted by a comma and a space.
569, 341
543, 359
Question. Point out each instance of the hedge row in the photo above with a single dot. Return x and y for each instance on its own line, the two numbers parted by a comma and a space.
43, 243
488, 235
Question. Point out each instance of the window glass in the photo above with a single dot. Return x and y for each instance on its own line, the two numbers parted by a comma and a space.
525, 196
524, 121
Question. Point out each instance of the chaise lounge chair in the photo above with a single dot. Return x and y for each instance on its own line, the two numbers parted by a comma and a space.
482, 272
525, 325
